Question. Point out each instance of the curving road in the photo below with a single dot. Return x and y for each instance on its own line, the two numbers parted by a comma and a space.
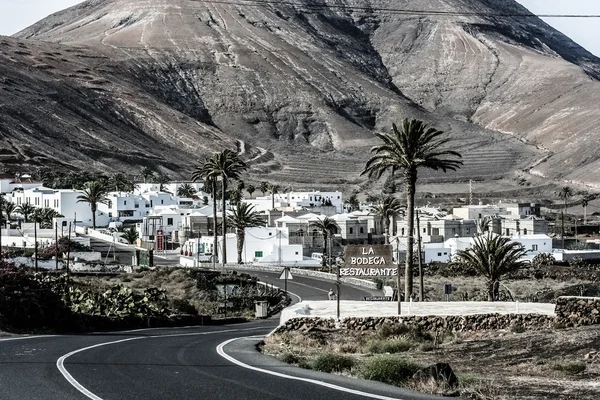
207, 362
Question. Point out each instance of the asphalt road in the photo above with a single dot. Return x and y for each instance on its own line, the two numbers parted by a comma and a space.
206, 362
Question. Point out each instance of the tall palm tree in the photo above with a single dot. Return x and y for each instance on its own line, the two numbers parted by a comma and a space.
274, 190
388, 208
493, 256
93, 193
234, 196
243, 217
186, 190
585, 201
44, 217
26, 210
250, 189
162, 180
228, 166
328, 227
264, 187
413, 146
565, 193
146, 173
205, 172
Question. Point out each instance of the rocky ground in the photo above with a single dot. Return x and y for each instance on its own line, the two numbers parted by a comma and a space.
505, 364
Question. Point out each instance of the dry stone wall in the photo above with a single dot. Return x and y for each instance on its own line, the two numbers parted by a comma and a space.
570, 312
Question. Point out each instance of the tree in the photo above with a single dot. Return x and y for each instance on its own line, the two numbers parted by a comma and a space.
44, 217
328, 227
585, 201
565, 193
388, 208
493, 256
26, 210
119, 182
243, 217
225, 166
186, 190
234, 196
352, 203
131, 235
93, 193
9, 208
274, 189
204, 172
250, 189
264, 187
147, 173
407, 149
162, 180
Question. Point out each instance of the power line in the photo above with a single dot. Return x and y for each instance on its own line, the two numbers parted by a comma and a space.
397, 11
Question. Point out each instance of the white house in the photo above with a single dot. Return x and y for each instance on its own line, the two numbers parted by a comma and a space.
64, 201
299, 200
10, 182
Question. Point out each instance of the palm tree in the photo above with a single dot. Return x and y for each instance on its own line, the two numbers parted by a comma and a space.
131, 235
234, 196
585, 201
274, 190
204, 172
26, 210
328, 227
118, 182
388, 208
9, 209
407, 149
264, 187
44, 216
162, 180
250, 189
186, 190
352, 203
493, 256
147, 173
93, 193
565, 193
243, 217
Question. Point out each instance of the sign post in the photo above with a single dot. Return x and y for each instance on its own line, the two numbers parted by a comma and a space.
160, 240
369, 260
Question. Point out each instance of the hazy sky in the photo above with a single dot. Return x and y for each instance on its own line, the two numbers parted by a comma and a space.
18, 14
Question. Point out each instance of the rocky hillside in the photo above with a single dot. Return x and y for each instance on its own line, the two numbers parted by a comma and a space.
299, 87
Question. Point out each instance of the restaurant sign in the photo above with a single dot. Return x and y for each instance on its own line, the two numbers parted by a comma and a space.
369, 260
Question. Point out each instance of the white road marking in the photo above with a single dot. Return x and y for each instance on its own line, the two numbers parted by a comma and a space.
226, 356
73, 382
26, 337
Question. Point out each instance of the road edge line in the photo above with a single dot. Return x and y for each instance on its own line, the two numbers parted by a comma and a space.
222, 353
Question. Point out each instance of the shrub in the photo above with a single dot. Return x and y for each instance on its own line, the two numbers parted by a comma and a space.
331, 362
289, 357
388, 369
517, 328
390, 329
378, 346
573, 368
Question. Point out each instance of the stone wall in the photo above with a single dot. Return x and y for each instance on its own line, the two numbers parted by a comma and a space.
570, 312
578, 311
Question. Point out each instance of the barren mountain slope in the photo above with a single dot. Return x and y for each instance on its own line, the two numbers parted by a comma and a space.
302, 88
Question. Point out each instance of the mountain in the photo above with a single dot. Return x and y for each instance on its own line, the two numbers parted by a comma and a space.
298, 86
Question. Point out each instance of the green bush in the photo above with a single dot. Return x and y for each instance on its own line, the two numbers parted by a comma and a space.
289, 357
390, 329
388, 368
573, 368
378, 346
332, 362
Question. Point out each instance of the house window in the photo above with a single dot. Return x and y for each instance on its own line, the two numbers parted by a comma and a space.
525, 231
169, 221
445, 253
296, 253
64, 223
439, 254
435, 231
110, 214
151, 203
424, 230
351, 230
402, 231
362, 230
258, 254
56, 203
124, 202
162, 202
46, 203
270, 233
37, 201
109, 204
507, 232
534, 247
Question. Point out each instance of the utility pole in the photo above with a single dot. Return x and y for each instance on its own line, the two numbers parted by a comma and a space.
420, 258
68, 251
35, 251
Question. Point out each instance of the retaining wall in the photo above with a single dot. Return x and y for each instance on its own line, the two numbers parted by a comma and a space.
570, 312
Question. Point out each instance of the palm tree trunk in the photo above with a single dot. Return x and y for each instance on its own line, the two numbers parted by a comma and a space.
411, 180
92, 206
324, 259
386, 231
490, 290
273, 200
224, 221
585, 215
215, 225
240, 244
